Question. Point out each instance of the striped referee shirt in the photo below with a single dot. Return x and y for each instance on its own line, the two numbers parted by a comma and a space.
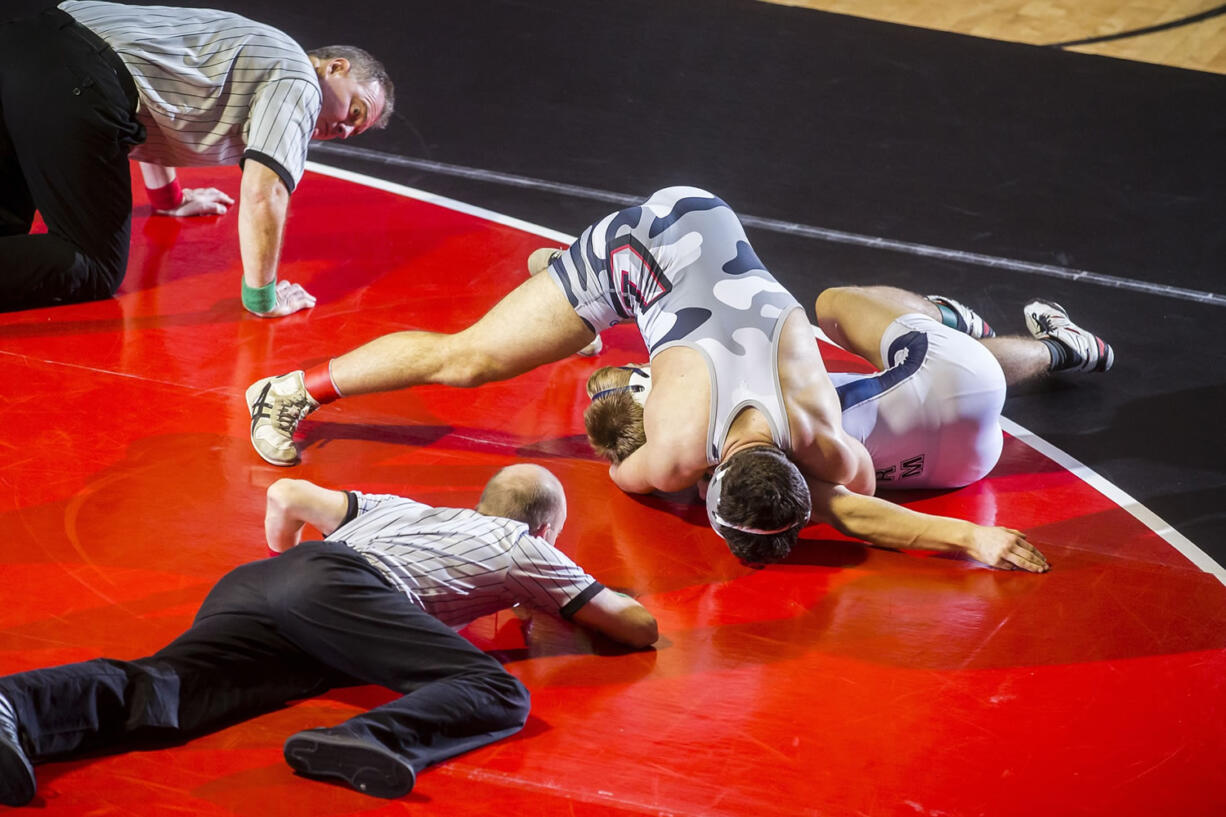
457, 564
215, 88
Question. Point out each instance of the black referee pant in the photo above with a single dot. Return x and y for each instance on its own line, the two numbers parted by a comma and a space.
316, 617
67, 121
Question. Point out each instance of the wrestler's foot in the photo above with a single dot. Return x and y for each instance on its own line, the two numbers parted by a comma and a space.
540, 259
538, 262
17, 784
277, 404
1079, 350
964, 318
366, 766
592, 349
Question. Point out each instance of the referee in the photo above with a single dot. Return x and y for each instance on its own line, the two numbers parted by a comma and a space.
375, 603
86, 86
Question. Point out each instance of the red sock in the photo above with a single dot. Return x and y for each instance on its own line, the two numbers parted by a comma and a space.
319, 383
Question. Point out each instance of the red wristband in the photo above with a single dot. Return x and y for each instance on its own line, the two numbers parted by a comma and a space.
166, 197
319, 383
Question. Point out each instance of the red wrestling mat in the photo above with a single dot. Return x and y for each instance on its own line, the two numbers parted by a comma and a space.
846, 682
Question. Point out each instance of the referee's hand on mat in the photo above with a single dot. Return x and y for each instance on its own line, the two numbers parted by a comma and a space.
200, 201
291, 298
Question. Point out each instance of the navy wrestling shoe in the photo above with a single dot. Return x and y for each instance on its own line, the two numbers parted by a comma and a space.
964, 319
17, 785
328, 754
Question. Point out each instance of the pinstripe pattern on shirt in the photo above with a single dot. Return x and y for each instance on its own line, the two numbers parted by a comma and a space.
215, 88
459, 564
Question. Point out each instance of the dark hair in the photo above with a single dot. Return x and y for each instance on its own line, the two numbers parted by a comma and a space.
530, 496
365, 69
762, 489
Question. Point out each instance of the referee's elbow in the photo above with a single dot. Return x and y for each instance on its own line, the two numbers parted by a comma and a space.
642, 631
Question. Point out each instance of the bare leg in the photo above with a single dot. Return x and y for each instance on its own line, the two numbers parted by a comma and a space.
856, 317
1022, 359
533, 325
538, 262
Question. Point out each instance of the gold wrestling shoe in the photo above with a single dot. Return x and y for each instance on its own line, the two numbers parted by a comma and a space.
277, 405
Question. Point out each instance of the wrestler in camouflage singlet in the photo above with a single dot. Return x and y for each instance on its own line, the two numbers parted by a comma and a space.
681, 267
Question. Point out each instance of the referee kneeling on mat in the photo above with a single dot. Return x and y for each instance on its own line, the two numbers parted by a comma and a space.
86, 86
374, 603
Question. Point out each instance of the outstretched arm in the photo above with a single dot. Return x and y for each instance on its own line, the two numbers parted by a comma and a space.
619, 617
882, 523
294, 503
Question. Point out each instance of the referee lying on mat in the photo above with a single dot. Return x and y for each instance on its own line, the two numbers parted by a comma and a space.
88, 85
374, 603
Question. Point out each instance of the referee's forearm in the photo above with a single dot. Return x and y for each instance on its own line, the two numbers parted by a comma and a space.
263, 205
156, 176
260, 227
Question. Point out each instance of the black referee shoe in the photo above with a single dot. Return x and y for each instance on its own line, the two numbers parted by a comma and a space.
366, 766
17, 784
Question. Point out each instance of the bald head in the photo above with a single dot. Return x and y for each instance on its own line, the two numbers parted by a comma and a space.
526, 493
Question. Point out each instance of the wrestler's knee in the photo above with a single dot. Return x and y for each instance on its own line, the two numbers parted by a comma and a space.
480, 355
831, 299
834, 305
826, 299
472, 366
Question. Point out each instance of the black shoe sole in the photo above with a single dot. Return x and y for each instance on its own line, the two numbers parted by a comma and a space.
365, 767
17, 786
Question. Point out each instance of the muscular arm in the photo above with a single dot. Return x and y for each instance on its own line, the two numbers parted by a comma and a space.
674, 455
619, 617
264, 203
882, 523
261, 227
649, 469
294, 503
820, 447
631, 474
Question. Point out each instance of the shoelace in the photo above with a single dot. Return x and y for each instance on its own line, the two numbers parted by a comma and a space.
288, 413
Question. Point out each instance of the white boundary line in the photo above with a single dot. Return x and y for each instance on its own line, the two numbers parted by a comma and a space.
1108, 489
1083, 472
619, 200
441, 201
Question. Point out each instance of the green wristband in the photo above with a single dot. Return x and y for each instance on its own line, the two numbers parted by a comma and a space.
260, 299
